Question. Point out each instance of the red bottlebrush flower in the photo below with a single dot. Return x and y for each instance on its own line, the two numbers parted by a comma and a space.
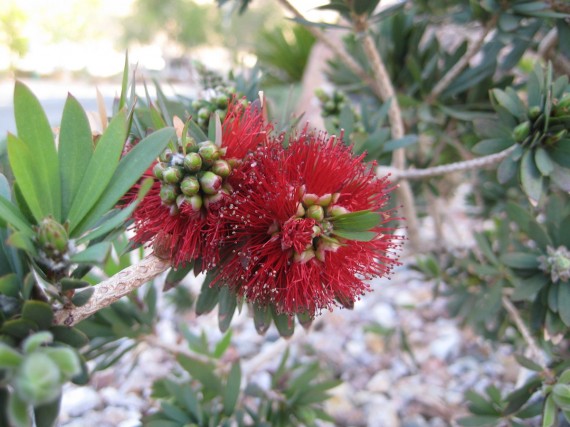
180, 213
309, 226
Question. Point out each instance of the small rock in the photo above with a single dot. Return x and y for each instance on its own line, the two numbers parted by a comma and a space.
385, 315
380, 383
382, 412
415, 421
79, 401
447, 344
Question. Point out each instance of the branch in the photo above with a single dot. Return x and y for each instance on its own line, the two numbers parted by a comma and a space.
385, 88
537, 354
546, 50
478, 163
462, 63
335, 47
113, 289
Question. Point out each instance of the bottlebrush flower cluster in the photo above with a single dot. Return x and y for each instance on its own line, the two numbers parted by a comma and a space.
298, 224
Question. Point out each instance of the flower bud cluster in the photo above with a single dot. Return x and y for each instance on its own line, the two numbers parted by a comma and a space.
535, 131
332, 106
195, 176
53, 244
216, 101
556, 263
321, 209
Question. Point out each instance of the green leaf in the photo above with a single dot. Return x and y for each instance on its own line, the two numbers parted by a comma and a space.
510, 100
46, 415
527, 289
125, 83
564, 303
12, 216
528, 363
34, 132
70, 284
226, 307
75, 151
284, 322
19, 328
100, 170
36, 340
174, 413
356, 221
485, 248
478, 420
9, 358
359, 236
403, 142
82, 298
130, 169
521, 260
18, 412
507, 170
530, 177
202, 372
561, 177
39, 312
543, 161
69, 336
95, 254
491, 146
231, 391
222, 345
10, 285
120, 217
261, 318
176, 275
29, 179
208, 297
549, 412
66, 359
22, 241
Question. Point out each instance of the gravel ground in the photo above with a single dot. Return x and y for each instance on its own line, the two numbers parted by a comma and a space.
386, 383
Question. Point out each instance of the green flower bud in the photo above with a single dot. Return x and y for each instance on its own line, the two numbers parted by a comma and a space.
564, 103
172, 175
52, 237
195, 202
158, 170
310, 199
190, 186
222, 101
210, 182
196, 104
305, 256
204, 113
213, 199
321, 95
337, 210
300, 211
168, 194
193, 162
166, 156
315, 212
329, 107
221, 113
221, 168
324, 200
338, 96
209, 151
534, 112
38, 379
521, 131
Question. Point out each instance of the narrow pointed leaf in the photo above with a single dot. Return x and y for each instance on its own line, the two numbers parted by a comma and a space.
130, 169
35, 131
93, 254
100, 170
30, 179
231, 391
531, 179
75, 150
11, 214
